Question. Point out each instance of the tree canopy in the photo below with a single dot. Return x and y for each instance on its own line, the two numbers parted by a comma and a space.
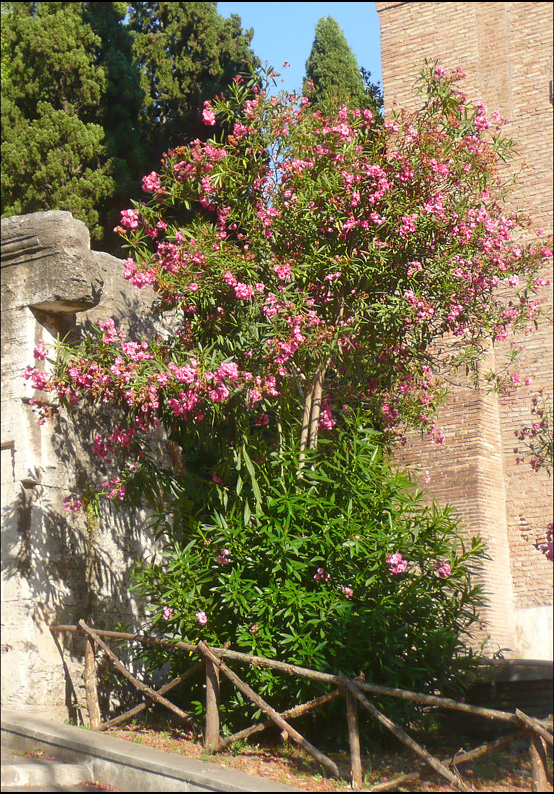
186, 53
54, 149
93, 93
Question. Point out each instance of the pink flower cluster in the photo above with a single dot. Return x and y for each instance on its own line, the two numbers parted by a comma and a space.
202, 618
443, 569
151, 183
208, 115
326, 421
40, 351
72, 505
397, 563
320, 574
224, 558
114, 489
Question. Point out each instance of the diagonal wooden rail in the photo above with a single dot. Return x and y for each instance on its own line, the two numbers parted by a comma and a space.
401, 734
151, 693
322, 759
212, 660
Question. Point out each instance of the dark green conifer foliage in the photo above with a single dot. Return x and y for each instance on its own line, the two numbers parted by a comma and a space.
54, 149
187, 53
120, 109
332, 70
91, 99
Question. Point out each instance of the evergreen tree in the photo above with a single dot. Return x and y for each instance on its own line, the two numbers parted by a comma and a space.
120, 108
332, 70
54, 149
76, 81
187, 54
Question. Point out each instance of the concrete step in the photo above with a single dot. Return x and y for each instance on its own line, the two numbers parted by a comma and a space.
42, 772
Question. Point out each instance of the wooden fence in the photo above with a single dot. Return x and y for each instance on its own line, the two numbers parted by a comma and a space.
211, 661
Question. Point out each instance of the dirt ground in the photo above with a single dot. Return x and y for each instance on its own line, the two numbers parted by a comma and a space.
508, 769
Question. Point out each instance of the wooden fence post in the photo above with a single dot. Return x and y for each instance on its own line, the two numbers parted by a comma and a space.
325, 762
91, 685
539, 779
354, 739
211, 734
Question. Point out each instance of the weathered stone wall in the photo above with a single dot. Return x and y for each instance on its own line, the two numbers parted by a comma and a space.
55, 568
506, 51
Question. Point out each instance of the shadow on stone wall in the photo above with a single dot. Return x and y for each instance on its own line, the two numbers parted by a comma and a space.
58, 567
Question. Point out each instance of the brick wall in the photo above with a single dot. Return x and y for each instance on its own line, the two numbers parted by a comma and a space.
506, 51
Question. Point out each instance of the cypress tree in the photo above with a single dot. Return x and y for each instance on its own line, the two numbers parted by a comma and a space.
120, 109
332, 70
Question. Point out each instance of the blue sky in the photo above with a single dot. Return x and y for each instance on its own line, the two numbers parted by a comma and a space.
285, 32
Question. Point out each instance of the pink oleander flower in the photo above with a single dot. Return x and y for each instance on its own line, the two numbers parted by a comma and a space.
427, 479
129, 219
224, 558
40, 352
326, 421
229, 279
240, 130
282, 272
320, 574
202, 618
348, 592
243, 291
37, 376
168, 613
443, 569
99, 448
228, 370
254, 628
397, 563
151, 183
255, 396
219, 394
208, 116
72, 505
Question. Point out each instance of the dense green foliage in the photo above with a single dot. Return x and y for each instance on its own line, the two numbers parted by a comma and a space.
332, 70
310, 579
54, 149
186, 53
90, 99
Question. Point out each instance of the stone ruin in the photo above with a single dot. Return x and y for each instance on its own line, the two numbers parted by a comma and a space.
55, 568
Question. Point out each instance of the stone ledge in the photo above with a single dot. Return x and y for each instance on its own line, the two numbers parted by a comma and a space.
128, 767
